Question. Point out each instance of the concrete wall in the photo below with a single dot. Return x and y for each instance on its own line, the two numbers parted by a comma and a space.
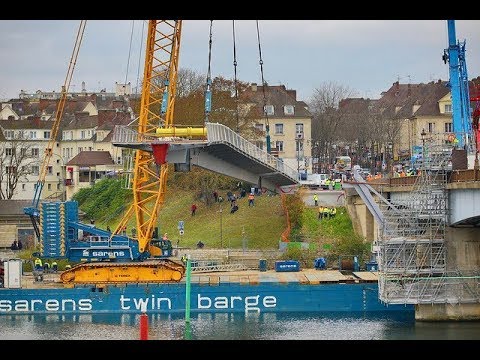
447, 312
463, 249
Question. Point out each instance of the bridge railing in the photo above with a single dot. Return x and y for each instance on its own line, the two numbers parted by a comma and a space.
219, 133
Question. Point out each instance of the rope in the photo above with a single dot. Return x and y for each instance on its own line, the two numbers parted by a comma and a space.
235, 75
139, 58
267, 125
208, 90
129, 52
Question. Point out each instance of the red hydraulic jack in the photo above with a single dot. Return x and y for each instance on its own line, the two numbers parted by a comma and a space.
160, 153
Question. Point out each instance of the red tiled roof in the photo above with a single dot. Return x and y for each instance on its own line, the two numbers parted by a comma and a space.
91, 158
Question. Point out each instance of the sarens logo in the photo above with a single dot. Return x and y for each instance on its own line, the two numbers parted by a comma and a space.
100, 253
53, 305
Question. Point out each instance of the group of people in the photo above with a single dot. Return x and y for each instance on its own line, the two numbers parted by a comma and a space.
326, 212
16, 245
46, 266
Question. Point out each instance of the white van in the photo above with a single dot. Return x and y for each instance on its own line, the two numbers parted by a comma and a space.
315, 181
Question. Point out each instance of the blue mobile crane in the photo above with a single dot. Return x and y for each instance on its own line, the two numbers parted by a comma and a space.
458, 83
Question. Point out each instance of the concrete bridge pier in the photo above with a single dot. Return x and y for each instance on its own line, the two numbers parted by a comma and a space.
463, 255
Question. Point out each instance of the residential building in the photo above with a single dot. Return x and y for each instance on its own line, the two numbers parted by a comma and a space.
289, 121
87, 124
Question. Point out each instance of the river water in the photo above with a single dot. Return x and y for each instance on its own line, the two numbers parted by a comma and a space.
252, 326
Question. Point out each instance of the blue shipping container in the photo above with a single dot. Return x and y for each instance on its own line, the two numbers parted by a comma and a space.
287, 265
262, 265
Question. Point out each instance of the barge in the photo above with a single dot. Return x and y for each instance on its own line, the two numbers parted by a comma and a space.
307, 290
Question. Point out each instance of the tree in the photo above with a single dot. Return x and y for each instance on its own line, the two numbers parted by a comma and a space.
17, 157
327, 119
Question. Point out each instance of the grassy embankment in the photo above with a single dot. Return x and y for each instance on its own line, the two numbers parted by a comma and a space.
261, 225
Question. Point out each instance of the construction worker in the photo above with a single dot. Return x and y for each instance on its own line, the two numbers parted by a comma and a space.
320, 212
46, 266
315, 199
68, 267
184, 258
54, 266
38, 264
333, 212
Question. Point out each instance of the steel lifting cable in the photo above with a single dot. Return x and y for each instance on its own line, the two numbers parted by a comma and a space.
208, 89
129, 52
235, 75
267, 125
139, 58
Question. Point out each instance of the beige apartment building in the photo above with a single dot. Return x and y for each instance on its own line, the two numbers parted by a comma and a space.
290, 124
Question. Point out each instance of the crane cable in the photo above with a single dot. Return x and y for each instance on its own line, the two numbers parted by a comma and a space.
208, 89
129, 52
267, 125
235, 75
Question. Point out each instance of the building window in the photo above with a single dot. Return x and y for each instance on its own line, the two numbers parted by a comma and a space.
82, 134
32, 135
299, 131
80, 149
24, 187
50, 170
279, 146
259, 127
448, 108
431, 127
58, 186
35, 169
299, 146
11, 169
9, 134
46, 134
9, 151
448, 127
49, 187
269, 109
35, 152
259, 144
278, 129
23, 152
288, 110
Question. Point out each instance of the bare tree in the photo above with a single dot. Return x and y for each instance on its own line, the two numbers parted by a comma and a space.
327, 119
189, 81
16, 160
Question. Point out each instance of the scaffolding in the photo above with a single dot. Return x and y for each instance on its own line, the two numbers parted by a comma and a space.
412, 255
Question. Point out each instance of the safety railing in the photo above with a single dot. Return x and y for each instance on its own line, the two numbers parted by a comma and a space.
219, 133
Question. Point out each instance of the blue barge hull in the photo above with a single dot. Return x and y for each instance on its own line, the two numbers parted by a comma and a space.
206, 296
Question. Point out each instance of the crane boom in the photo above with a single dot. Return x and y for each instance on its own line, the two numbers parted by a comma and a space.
32, 211
58, 115
156, 110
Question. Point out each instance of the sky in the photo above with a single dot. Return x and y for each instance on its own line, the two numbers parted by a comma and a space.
366, 56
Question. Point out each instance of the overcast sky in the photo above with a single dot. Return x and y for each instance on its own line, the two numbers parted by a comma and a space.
366, 56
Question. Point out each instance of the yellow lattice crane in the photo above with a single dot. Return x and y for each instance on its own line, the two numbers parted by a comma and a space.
150, 175
156, 111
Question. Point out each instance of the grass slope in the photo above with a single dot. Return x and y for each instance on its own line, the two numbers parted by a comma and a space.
259, 226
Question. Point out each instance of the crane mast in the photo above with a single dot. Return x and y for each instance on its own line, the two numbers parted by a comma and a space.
156, 111
455, 55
